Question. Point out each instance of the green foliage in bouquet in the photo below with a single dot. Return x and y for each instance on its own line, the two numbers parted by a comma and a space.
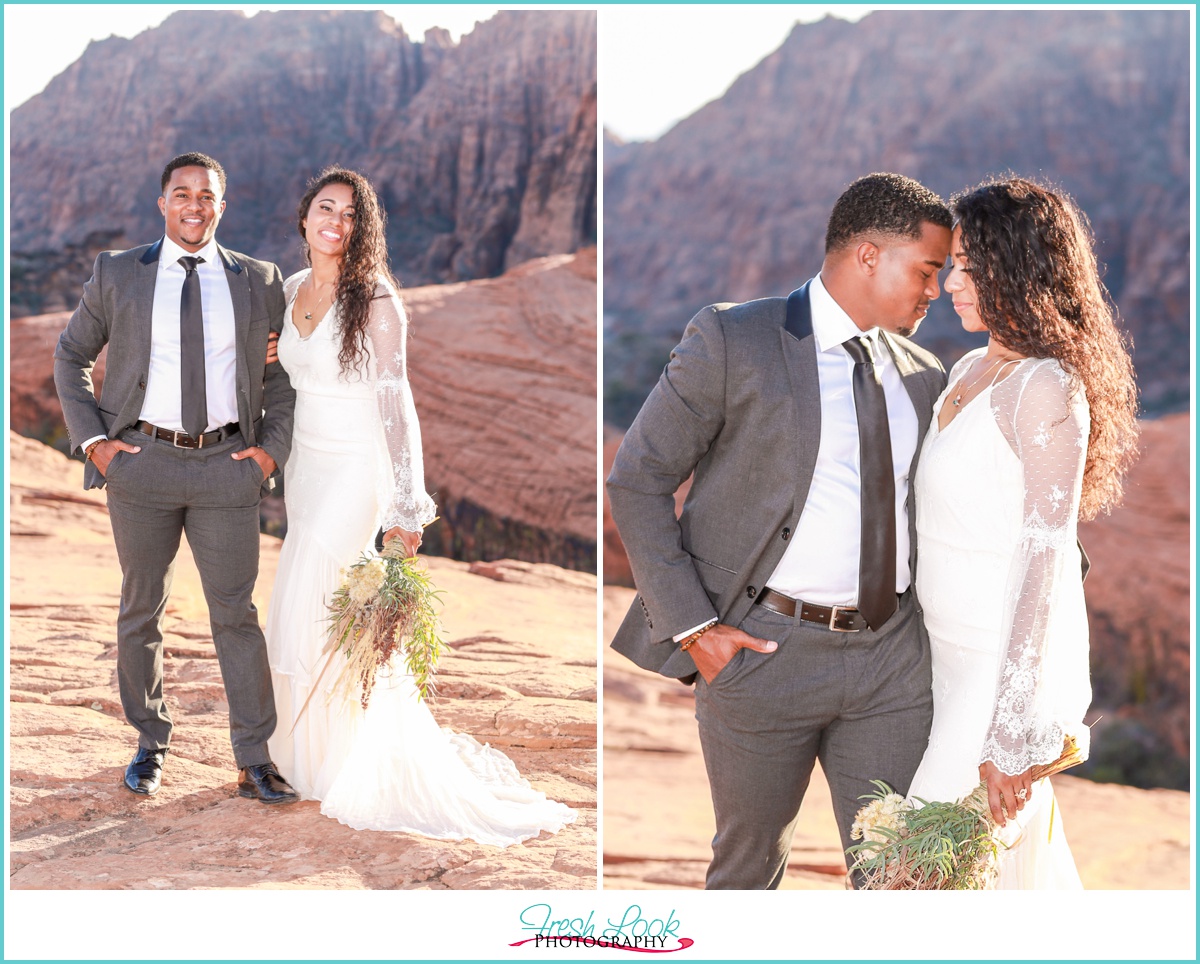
385, 605
934, 846
923, 845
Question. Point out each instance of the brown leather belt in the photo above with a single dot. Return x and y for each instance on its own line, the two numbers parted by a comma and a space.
839, 619
181, 440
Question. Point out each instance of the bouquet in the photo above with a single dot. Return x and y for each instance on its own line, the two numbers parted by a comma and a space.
385, 605
934, 845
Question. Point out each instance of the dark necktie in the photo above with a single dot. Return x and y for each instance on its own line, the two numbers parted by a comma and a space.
194, 409
877, 490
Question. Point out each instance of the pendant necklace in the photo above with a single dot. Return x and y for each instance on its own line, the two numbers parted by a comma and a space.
957, 399
308, 314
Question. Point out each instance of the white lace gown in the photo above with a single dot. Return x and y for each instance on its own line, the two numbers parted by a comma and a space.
998, 576
356, 464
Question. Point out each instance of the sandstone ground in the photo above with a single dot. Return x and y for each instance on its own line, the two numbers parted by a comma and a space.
521, 675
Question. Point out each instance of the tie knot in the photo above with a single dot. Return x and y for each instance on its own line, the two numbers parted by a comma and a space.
190, 263
859, 349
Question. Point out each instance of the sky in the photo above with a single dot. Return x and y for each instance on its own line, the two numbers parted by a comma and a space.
662, 63
41, 40
686, 56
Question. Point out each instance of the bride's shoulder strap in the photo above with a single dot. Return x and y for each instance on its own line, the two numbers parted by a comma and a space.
385, 289
388, 301
292, 282
963, 363
1040, 389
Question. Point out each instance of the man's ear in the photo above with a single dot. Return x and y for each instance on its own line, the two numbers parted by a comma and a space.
866, 256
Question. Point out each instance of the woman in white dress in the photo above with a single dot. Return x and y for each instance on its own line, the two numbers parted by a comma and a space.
356, 465
1032, 433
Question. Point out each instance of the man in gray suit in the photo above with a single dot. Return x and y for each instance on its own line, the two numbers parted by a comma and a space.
786, 581
180, 437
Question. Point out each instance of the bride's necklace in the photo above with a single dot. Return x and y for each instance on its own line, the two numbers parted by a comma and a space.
956, 401
308, 314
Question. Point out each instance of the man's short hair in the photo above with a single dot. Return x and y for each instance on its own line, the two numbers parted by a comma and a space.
889, 204
193, 159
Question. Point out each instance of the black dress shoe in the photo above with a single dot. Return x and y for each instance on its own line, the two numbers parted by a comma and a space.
144, 773
263, 781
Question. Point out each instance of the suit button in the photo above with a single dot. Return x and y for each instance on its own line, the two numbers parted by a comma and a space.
751, 591
786, 532
142, 385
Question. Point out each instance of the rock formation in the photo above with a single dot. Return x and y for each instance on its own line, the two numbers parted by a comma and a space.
521, 675
731, 203
484, 152
1138, 593
503, 373
504, 378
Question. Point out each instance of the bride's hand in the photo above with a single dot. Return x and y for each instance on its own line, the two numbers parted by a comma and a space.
411, 540
272, 347
1006, 792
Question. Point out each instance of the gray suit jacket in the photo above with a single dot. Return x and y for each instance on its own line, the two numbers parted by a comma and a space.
116, 310
740, 405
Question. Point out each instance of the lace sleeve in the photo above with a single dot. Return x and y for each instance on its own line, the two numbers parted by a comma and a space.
410, 507
1045, 420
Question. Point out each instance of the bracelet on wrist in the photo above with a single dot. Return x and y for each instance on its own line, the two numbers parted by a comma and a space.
87, 453
689, 641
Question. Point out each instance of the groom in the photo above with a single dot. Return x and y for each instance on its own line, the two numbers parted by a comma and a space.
180, 437
786, 583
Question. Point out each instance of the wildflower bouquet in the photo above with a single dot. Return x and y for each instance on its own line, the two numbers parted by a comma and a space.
384, 606
925, 845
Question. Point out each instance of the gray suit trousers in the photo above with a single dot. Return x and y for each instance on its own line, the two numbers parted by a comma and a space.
861, 703
154, 496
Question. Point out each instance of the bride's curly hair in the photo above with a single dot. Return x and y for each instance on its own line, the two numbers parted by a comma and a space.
1038, 291
364, 265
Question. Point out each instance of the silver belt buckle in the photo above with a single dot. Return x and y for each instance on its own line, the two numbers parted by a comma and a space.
175, 441
833, 615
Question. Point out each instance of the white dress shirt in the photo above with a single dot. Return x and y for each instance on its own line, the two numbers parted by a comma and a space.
163, 403
820, 564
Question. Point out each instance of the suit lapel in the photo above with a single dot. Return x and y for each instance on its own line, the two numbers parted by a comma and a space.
800, 358
916, 383
239, 291
141, 310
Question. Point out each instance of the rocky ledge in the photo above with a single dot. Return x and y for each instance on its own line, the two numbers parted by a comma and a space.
521, 675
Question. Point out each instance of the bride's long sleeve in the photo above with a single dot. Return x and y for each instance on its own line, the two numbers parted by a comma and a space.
410, 506
1046, 422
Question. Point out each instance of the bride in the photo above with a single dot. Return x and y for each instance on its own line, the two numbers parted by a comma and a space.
1032, 433
355, 465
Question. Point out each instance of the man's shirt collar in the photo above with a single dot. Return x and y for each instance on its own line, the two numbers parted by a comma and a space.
832, 327
170, 254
